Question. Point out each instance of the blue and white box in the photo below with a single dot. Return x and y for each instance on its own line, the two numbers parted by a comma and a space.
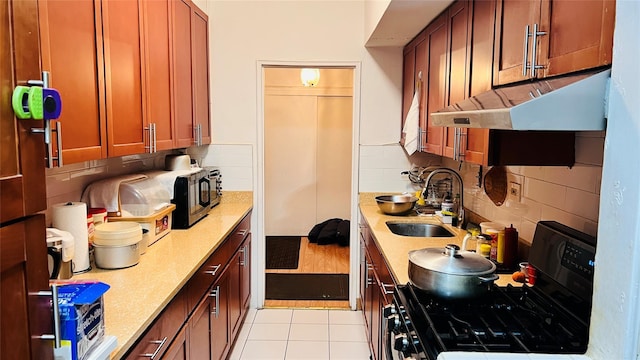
81, 308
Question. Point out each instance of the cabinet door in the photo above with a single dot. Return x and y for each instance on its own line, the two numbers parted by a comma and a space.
199, 330
72, 52
157, 67
477, 140
436, 40
179, 349
413, 73
220, 336
123, 77
580, 35
245, 277
234, 291
22, 166
182, 74
200, 71
458, 67
23, 271
512, 19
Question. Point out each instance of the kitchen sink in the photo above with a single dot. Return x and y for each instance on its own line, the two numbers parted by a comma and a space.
418, 229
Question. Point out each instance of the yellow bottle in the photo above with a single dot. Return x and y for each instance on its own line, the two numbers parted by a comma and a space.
420, 198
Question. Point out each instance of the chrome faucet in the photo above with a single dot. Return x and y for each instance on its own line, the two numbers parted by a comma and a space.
457, 176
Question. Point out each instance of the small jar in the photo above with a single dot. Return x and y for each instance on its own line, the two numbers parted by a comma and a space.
483, 245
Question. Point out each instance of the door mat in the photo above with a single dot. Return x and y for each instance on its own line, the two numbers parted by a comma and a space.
282, 252
281, 286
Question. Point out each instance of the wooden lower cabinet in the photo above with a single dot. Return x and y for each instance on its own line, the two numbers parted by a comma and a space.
179, 349
219, 309
202, 322
375, 290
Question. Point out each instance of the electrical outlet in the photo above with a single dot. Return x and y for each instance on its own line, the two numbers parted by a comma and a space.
514, 191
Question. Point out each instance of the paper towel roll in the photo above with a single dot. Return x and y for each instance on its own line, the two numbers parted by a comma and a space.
72, 217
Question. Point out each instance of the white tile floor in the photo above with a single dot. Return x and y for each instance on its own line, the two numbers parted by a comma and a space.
291, 334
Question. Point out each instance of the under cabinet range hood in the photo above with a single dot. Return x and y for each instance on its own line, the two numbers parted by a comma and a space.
568, 103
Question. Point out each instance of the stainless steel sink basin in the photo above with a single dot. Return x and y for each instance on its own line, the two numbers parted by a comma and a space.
418, 229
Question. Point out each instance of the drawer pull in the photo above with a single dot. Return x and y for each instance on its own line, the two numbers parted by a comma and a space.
242, 232
155, 353
216, 294
386, 286
243, 250
214, 269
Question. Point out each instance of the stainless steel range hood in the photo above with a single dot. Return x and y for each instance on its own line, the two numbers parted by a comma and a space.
567, 103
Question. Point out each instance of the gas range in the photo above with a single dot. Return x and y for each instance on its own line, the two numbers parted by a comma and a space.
550, 317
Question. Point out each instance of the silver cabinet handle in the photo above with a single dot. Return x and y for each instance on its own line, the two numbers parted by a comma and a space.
534, 50
214, 269
242, 233
155, 353
369, 280
215, 293
56, 315
456, 143
243, 251
149, 147
385, 286
46, 130
458, 152
197, 134
154, 143
58, 131
525, 60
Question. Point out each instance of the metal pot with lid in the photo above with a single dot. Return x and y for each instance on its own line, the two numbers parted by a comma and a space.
450, 273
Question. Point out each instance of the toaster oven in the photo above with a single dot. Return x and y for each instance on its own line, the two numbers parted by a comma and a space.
216, 184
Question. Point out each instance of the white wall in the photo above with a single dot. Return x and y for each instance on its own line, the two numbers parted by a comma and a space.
615, 320
241, 35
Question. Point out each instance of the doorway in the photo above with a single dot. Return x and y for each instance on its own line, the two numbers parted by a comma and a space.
307, 167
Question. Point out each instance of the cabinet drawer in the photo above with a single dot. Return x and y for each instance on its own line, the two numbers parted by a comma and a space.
209, 272
161, 333
201, 281
237, 236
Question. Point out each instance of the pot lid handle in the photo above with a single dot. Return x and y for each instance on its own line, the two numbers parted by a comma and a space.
451, 250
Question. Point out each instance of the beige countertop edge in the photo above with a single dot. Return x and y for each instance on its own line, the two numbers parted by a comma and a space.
138, 294
395, 248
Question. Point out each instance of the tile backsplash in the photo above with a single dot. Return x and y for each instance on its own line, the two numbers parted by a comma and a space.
570, 196
68, 182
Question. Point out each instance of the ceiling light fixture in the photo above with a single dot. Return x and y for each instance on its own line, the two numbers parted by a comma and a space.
310, 77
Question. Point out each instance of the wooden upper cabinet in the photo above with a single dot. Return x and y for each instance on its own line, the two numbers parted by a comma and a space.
123, 77
435, 82
157, 68
191, 74
182, 73
71, 51
458, 69
413, 73
476, 144
571, 35
200, 66
580, 35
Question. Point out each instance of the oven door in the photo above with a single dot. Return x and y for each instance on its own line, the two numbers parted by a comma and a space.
388, 339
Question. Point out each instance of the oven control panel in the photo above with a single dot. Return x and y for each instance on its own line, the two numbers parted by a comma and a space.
578, 259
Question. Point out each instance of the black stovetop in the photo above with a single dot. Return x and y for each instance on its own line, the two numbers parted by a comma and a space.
507, 319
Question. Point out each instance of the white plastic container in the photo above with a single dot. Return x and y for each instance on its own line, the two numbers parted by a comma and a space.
143, 197
119, 233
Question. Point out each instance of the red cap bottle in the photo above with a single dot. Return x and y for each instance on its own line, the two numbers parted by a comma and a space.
510, 247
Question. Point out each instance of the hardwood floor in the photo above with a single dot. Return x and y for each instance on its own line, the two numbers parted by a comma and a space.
314, 258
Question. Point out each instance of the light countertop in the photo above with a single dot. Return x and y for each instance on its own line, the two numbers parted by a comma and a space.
138, 294
394, 248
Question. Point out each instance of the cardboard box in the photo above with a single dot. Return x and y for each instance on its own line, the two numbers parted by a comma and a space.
81, 308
